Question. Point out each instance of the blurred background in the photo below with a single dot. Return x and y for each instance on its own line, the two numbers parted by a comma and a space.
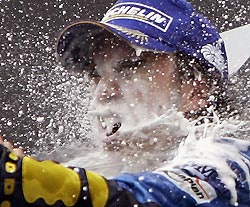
41, 106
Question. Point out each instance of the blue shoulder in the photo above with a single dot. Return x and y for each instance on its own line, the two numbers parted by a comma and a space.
197, 182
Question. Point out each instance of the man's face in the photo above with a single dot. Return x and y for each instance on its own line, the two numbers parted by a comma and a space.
130, 90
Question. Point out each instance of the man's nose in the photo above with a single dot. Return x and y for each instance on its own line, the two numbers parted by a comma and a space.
108, 90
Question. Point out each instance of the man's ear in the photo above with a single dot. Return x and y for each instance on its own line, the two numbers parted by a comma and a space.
194, 95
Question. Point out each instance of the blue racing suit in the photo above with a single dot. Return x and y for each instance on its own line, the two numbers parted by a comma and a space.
28, 182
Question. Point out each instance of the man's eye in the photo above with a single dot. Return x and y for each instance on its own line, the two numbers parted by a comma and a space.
93, 73
129, 64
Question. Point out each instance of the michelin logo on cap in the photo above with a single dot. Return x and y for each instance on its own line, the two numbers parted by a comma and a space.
139, 12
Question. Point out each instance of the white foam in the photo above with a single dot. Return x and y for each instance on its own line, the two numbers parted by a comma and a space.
204, 147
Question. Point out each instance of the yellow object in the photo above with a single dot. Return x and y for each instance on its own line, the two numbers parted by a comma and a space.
13, 156
10, 167
98, 189
9, 186
50, 181
5, 204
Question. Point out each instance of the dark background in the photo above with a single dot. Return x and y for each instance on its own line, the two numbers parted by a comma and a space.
34, 102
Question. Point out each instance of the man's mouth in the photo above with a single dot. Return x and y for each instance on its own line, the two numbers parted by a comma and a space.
109, 127
115, 128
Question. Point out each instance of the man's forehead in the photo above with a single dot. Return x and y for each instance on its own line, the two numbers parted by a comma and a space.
110, 45
107, 39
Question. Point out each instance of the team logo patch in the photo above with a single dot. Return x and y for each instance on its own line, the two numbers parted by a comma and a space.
139, 12
213, 54
200, 190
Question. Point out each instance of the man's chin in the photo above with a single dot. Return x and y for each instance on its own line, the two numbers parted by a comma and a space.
124, 140
142, 140
128, 145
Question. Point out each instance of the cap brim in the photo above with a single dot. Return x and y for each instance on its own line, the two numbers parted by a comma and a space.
75, 42
134, 37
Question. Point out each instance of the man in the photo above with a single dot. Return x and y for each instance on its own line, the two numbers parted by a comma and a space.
150, 77
143, 59
165, 58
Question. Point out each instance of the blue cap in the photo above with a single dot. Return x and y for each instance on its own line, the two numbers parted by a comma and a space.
158, 25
